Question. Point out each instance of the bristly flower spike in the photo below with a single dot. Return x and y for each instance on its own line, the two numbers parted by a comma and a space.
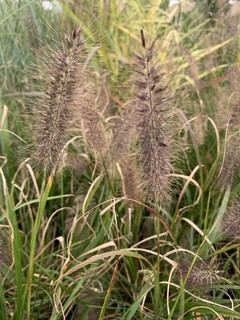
200, 275
154, 127
57, 107
230, 225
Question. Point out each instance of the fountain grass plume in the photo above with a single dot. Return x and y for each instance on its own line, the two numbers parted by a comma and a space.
154, 113
56, 108
230, 224
67, 106
230, 115
199, 275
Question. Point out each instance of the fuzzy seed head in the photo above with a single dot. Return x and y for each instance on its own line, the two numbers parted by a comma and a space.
68, 107
200, 275
131, 179
230, 117
154, 113
57, 107
230, 224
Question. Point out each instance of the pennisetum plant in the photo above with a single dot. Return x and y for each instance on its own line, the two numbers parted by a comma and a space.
154, 113
65, 107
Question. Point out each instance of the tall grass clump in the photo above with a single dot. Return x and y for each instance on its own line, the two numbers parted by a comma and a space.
126, 205
65, 112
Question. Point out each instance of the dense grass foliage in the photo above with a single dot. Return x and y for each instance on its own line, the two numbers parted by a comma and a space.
119, 160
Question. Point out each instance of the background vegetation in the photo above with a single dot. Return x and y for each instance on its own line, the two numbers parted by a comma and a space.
87, 239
